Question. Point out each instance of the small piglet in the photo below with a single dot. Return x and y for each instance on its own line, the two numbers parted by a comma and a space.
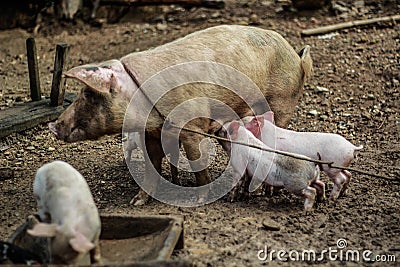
69, 214
297, 176
131, 142
324, 146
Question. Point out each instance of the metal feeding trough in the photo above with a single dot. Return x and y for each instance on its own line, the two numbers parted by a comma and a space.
125, 240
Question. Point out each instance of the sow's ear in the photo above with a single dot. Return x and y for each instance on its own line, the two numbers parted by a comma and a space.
306, 61
105, 77
43, 230
255, 125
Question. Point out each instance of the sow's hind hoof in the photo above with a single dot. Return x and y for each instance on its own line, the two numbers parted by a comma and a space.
142, 198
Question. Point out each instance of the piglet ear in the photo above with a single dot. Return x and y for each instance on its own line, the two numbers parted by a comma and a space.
80, 243
103, 77
43, 230
269, 116
255, 125
260, 121
233, 129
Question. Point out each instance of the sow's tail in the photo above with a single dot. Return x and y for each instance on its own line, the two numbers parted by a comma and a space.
306, 62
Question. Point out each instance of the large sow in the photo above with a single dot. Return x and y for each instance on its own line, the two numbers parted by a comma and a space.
263, 56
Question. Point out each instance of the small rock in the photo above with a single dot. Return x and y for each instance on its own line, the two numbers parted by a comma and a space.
243, 21
161, 27
338, 9
271, 225
371, 96
324, 117
51, 148
30, 148
254, 19
359, 4
366, 115
327, 36
159, 18
321, 89
216, 15
313, 112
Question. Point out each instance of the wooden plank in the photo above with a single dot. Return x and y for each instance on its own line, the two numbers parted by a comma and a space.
58, 83
34, 81
30, 114
350, 24
204, 3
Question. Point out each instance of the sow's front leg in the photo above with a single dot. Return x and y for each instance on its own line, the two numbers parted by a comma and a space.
156, 154
197, 155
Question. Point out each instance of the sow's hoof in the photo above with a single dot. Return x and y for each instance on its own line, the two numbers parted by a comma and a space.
140, 199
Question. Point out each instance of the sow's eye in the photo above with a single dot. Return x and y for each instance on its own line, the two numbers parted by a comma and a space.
87, 93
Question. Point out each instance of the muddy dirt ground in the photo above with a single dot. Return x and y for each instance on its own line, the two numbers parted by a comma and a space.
354, 92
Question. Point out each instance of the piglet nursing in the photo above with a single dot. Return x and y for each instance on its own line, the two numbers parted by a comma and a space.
68, 213
324, 146
297, 176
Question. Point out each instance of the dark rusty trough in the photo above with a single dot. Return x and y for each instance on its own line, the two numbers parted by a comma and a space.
125, 240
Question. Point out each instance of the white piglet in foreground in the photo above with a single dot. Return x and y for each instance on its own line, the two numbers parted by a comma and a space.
297, 176
68, 213
324, 146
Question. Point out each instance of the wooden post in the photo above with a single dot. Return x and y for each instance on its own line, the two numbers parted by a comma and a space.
34, 81
58, 83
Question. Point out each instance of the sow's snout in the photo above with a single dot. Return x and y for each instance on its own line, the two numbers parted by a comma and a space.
53, 129
63, 132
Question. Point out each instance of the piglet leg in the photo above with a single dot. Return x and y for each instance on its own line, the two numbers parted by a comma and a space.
346, 183
244, 188
95, 255
340, 179
235, 192
320, 187
309, 194
241, 188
